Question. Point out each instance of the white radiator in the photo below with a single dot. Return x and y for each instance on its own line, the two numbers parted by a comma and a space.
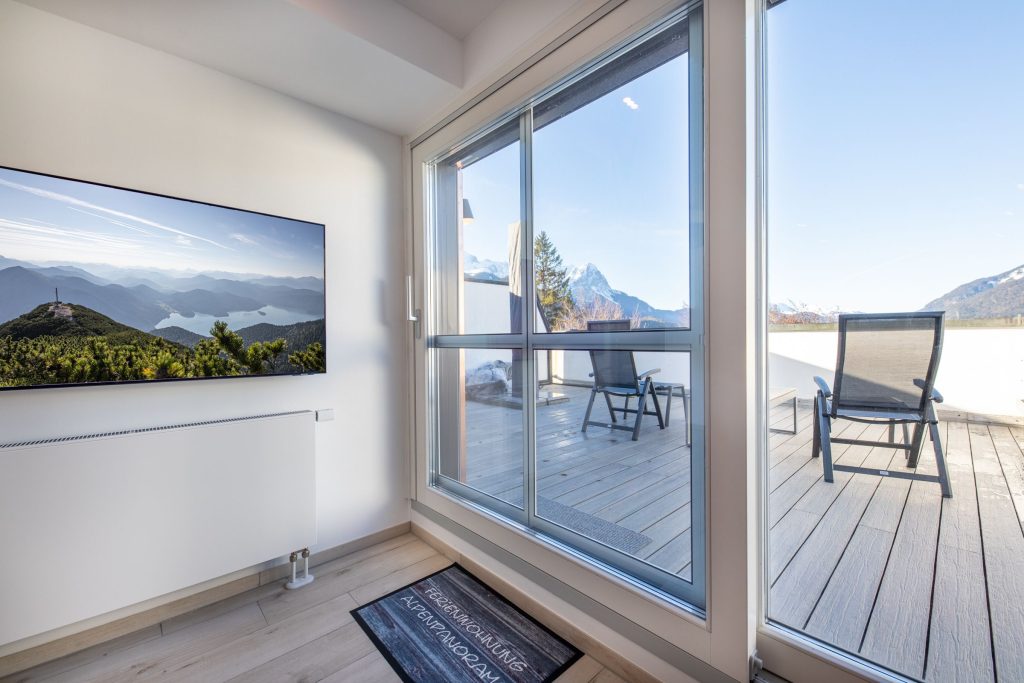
95, 523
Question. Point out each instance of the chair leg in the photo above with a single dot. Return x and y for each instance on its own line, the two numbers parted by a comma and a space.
641, 402
906, 438
611, 410
590, 407
816, 429
915, 446
892, 432
940, 459
825, 439
662, 421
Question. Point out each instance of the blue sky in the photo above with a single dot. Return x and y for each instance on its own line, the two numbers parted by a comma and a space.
896, 161
48, 220
896, 149
610, 188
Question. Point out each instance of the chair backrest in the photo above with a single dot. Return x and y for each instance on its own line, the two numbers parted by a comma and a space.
612, 368
880, 357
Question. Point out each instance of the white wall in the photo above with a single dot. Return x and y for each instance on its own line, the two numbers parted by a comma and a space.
981, 370
486, 312
508, 28
85, 104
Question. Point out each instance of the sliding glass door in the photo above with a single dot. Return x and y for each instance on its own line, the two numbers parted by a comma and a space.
565, 319
895, 188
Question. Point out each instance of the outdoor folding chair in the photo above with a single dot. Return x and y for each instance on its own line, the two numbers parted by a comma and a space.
885, 373
615, 375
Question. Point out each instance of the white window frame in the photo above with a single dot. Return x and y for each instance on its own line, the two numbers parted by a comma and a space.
724, 639
780, 650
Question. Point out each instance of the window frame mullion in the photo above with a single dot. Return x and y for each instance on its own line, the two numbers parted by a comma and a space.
529, 318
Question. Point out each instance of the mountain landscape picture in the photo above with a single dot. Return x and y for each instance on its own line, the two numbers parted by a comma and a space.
104, 285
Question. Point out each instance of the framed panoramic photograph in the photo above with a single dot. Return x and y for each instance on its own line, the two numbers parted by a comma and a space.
103, 285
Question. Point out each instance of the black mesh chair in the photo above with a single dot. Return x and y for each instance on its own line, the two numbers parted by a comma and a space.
615, 375
885, 373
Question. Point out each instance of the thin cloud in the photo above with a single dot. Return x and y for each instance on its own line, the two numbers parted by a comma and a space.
111, 220
244, 239
628, 101
65, 199
28, 230
54, 241
1020, 187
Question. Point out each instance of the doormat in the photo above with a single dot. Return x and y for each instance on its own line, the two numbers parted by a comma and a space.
451, 627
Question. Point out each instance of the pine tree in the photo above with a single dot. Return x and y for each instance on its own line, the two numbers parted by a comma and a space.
553, 291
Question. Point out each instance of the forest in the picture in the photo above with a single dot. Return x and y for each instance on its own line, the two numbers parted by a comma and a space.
99, 284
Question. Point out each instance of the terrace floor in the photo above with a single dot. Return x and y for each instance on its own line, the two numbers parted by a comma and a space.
885, 568
631, 495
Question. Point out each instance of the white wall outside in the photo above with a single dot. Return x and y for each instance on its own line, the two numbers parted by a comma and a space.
981, 370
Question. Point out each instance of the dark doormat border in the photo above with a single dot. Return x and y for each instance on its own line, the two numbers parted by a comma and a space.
578, 654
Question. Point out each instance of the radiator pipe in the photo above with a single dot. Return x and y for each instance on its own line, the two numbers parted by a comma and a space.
299, 581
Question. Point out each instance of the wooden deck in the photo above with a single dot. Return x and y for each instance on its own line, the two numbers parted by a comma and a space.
642, 487
884, 568
887, 568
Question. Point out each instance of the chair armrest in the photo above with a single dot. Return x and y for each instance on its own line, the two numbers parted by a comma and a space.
648, 373
936, 396
823, 386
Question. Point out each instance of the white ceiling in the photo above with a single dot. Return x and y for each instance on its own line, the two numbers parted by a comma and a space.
455, 17
390, 63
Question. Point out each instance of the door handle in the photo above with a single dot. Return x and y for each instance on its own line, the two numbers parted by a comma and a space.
411, 314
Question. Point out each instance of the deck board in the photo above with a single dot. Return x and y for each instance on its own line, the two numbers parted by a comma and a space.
959, 638
1003, 549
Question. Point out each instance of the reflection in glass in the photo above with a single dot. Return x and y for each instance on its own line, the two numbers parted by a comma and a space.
632, 496
483, 191
481, 422
611, 194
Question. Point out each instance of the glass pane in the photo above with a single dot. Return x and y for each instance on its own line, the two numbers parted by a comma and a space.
632, 497
480, 420
481, 190
892, 191
611, 194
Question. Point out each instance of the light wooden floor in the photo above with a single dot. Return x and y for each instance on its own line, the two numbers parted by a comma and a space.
273, 635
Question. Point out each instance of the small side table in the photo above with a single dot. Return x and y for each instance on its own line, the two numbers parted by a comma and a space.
778, 396
668, 390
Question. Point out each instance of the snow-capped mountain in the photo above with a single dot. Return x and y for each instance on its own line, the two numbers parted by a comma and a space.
484, 269
998, 296
590, 287
791, 311
589, 284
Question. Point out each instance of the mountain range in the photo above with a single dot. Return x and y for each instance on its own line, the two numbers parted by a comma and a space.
997, 296
298, 335
141, 298
589, 287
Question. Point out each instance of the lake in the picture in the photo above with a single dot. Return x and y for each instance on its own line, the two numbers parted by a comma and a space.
201, 323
